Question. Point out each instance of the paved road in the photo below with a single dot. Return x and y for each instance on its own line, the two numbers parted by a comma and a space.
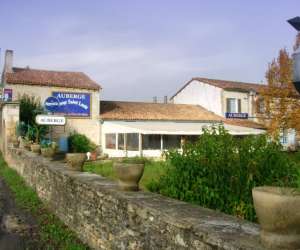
18, 227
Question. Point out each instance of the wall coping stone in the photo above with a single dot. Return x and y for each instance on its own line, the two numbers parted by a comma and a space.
212, 229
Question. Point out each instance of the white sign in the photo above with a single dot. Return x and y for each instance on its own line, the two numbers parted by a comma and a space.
50, 120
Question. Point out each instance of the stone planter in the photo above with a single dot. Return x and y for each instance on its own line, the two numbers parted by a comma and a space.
35, 148
129, 175
24, 144
47, 152
15, 142
75, 160
278, 212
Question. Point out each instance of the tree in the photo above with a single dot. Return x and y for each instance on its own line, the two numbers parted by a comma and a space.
281, 100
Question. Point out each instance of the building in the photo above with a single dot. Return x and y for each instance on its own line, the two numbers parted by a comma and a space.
148, 129
120, 128
68, 86
222, 97
229, 99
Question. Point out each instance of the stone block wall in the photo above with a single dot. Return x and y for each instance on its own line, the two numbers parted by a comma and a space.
107, 218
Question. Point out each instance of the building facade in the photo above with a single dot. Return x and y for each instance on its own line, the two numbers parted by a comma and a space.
230, 99
44, 83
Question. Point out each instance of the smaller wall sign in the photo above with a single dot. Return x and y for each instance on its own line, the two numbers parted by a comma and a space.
51, 104
236, 115
7, 95
50, 120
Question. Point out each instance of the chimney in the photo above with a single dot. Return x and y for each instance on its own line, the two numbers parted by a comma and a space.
165, 99
8, 61
154, 99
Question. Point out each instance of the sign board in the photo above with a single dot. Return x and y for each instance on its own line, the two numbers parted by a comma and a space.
73, 104
236, 115
50, 120
7, 95
51, 104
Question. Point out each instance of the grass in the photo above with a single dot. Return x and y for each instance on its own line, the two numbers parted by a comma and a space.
153, 170
52, 232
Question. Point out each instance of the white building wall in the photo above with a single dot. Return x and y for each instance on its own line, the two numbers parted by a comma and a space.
199, 93
244, 96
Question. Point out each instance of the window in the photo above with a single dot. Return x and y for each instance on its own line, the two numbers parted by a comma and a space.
171, 141
284, 137
151, 141
110, 141
121, 145
132, 141
233, 105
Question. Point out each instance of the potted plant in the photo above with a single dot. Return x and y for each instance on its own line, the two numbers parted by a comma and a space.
278, 212
36, 147
79, 145
129, 172
48, 148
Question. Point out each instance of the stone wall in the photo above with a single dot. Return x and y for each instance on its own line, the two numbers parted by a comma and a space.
107, 218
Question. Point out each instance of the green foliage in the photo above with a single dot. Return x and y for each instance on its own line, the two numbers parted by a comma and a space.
219, 171
30, 106
52, 232
79, 143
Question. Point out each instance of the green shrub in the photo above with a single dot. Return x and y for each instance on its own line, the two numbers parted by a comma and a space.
219, 171
79, 143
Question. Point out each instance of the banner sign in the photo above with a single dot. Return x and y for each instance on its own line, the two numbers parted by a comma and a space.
51, 104
73, 104
236, 115
50, 120
7, 95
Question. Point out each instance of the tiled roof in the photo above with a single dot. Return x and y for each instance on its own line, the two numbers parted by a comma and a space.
120, 110
28, 76
223, 84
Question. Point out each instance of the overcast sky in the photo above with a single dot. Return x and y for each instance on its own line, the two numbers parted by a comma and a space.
137, 49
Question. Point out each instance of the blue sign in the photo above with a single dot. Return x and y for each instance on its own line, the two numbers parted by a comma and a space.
73, 104
8, 95
51, 104
236, 115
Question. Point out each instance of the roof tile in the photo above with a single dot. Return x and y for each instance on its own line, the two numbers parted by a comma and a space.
28, 76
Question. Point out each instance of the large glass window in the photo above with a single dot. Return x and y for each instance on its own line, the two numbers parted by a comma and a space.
110, 141
121, 145
132, 141
151, 141
171, 141
233, 105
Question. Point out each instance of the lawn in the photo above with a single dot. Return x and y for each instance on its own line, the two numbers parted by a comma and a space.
153, 170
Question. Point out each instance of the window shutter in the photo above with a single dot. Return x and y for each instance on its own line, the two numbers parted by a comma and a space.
239, 105
227, 104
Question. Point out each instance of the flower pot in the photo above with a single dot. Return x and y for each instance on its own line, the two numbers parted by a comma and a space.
129, 175
75, 160
48, 152
278, 212
15, 142
35, 148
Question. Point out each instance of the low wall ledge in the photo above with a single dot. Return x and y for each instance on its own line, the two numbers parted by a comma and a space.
107, 218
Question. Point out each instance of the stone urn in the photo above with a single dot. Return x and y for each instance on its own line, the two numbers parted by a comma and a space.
129, 175
48, 152
24, 144
278, 212
35, 148
75, 160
